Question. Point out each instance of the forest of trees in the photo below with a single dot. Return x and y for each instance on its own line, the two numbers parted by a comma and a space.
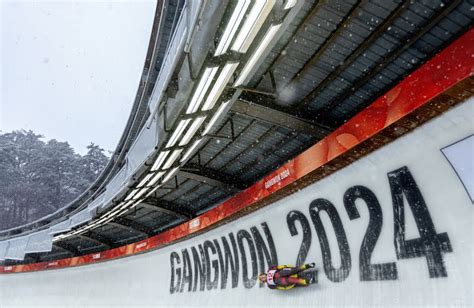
37, 177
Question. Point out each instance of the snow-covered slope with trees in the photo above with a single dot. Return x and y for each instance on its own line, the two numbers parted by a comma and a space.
37, 177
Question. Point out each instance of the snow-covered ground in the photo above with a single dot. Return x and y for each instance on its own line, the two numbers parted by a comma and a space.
416, 248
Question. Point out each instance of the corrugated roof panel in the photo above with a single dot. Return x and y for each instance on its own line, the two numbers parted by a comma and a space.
139, 212
174, 194
154, 219
405, 62
253, 133
197, 192
458, 17
281, 44
209, 201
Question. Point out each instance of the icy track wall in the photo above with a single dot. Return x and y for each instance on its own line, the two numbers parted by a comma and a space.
392, 228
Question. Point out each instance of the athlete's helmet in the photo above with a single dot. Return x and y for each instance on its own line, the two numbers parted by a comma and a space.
262, 277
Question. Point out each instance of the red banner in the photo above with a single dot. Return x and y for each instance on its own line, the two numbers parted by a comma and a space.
452, 65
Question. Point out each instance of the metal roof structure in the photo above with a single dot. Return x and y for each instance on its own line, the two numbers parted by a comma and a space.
332, 60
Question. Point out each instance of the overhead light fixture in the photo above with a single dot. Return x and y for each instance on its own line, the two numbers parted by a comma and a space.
117, 208
109, 214
156, 178
101, 220
192, 130
159, 161
108, 220
129, 203
122, 212
215, 117
191, 150
130, 195
232, 26
219, 86
289, 4
257, 54
177, 132
201, 89
140, 193
113, 213
95, 224
86, 227
170, 174
253, 23
137, 203
145, 180
154, 189
172, 158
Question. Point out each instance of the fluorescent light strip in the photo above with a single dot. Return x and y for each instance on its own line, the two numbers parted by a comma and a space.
130, 195
100, 221
191, 150
232, 26
153, 189
145, 180
177, 132
172, 158
104, 218
159, 160
93, 224
257, 54
119, 206
113, 214
170, 174
219, 86
108, 220
122, 212
289, 4
110, 214
137, 203
201, 89
140, 193
192, 130
215, 117
129, 203
124, 206
156, 178
253, 23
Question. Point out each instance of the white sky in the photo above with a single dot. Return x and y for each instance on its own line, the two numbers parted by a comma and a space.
70, 69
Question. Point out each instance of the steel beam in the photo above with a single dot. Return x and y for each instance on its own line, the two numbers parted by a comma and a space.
163, 206
156, 207
203, 179
97, 238
274, 116
208, 175
130, 224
